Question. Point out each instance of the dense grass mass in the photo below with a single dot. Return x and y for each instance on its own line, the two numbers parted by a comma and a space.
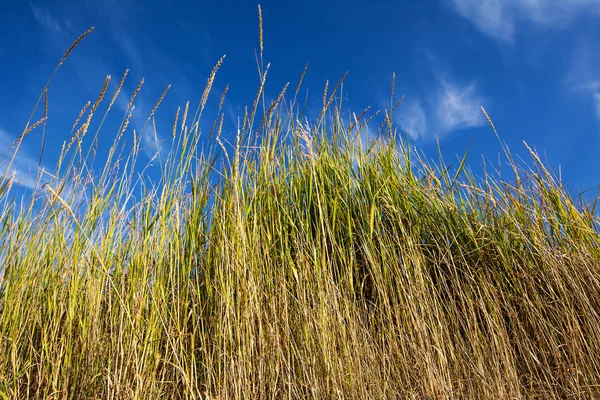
297, 262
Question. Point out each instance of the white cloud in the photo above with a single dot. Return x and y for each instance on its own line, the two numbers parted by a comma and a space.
458, 107
597, 103
587, 86
46, 19
24, 167
498, 18
411, 118
450, 107
583, 77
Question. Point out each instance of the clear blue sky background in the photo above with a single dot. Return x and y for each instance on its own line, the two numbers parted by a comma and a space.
534, 65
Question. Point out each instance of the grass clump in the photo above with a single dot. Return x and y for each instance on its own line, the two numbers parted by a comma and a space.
306, 265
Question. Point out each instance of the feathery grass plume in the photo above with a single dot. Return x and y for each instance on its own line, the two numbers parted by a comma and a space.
7, 185
220, 142
272, 107
259, 57
43, 141
74, 45
505, 148
185, 114
27, 131
174, 132
61, 156
489, 120
245, 119
94, 148
337, 86
260, 29
397, 104
62, 60
135, 93
212, 127
367, 121
308, 142
162, 96
95, 139
393, 87
222, 99
126, 122
78, 136
387, 122
157, 143
136, 144
325, 94
207, 89
257, 98
94, 107
100, 96
118, 90
538, 162
85, 107
299, 85
220, 126
46, 102
356, 120
35, 107
327, 102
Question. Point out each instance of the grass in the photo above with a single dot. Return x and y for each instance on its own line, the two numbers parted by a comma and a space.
303, 264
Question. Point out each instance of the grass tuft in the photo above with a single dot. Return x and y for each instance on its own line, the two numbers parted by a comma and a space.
298, 264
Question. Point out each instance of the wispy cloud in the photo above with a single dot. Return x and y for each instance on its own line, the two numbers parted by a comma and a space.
591, 93
597, 103
449, 106
45, 18
24, 167
458, 107
499, 18
587, 86
583, 77
411, 118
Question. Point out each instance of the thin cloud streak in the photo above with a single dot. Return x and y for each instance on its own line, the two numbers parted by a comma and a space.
583, 76
24, 166
450, 106
597, 103
412, 119
46, 20
458, 107
499, 18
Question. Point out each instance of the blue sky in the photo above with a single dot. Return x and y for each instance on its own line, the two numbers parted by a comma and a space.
533, 64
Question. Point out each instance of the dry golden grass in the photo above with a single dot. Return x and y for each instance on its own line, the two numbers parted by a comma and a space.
300, 264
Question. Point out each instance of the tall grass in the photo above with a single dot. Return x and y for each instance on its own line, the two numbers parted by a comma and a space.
303, 264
